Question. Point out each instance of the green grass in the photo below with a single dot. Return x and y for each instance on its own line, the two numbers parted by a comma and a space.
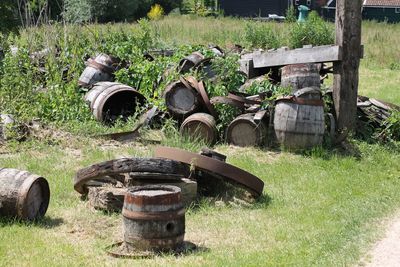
321, 208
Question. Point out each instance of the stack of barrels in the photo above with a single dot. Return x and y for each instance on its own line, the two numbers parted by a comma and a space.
299, 120
108, 100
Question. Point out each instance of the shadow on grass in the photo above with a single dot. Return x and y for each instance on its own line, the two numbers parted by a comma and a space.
45, 222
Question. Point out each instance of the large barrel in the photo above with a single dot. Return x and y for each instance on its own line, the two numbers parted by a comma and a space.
109, 101
202, 126
299, 123
23, 195
153, 217
99, 69
245, 131
181, 100
190, 61
299, 76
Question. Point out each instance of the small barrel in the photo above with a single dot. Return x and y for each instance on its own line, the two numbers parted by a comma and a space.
153, 217
190, 61
245, 131
299, 125
23, 195
299, 76
109, 101
99, 69
202, 126
181, 101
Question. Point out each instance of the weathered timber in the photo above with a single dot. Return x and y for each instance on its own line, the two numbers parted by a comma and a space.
345, 82
300, 76
153, 217
126, 165
188, 187
282, 57
23, 195
107, 198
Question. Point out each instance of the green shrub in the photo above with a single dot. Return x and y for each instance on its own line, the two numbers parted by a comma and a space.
261, 35
314, 31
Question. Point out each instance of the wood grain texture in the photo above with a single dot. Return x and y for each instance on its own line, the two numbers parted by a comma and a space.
202, 126
244, 131
345, 82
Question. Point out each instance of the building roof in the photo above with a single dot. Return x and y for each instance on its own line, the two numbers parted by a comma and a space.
383, 3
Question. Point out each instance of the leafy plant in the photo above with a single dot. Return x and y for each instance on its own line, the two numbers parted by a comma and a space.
156, 12
261, 35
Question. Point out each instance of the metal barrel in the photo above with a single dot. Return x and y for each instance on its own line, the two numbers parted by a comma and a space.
299, 125
190, 61
245, 131
99, 69
299, 76
109, 101
23, 195
202, 126
153, 217
181, 101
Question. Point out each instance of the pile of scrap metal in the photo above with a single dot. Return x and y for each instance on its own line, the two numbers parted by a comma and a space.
105, 184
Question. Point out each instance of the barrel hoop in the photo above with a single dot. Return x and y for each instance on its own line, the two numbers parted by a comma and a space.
243, 99
299, 133
156, 216
94, 64
227, 101
301, 101
155, 242
199, 87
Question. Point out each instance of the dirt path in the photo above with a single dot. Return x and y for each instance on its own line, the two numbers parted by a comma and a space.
386, 252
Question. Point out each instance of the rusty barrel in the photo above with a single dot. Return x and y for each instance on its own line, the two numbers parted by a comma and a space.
299, 123
99, 69
299, 76
190, 61
202, 126
109, 101
23, 195
181, 101
153, 217
245, 131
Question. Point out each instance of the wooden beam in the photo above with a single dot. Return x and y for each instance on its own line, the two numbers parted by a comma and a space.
345, 83
307, 54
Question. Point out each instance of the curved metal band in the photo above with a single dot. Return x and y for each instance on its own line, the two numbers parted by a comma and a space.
156, 216
231, 173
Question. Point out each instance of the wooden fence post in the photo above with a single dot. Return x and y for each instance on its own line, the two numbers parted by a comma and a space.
345, 83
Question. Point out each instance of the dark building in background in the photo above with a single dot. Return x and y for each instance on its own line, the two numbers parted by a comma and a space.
379, 10
262, 8
254, 8
382, 10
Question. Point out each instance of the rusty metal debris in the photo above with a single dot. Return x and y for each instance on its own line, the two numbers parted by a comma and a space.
229, 172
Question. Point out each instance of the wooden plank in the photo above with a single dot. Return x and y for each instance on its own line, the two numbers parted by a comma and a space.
281, 57
345, 83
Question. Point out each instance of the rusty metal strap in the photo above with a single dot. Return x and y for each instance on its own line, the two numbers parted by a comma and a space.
230, 173
227, 101
243, 99
301, 101
156, 216
126, 165
93, 63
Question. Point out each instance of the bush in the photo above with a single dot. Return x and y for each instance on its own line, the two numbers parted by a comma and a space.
314, 31
156, 12
261, 35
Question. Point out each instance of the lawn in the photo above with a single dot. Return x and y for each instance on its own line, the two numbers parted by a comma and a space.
319, 208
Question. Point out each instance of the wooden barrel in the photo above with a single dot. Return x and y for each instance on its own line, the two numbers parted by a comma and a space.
190, 61
245, 131
109, 101
299, 124
202, 126
153, 217
23, 195
299, 76
99, 69
181, 101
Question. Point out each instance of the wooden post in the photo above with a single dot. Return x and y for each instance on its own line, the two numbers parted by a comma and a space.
345, 83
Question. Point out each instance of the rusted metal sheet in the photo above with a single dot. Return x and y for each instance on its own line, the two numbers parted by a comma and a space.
230, 173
